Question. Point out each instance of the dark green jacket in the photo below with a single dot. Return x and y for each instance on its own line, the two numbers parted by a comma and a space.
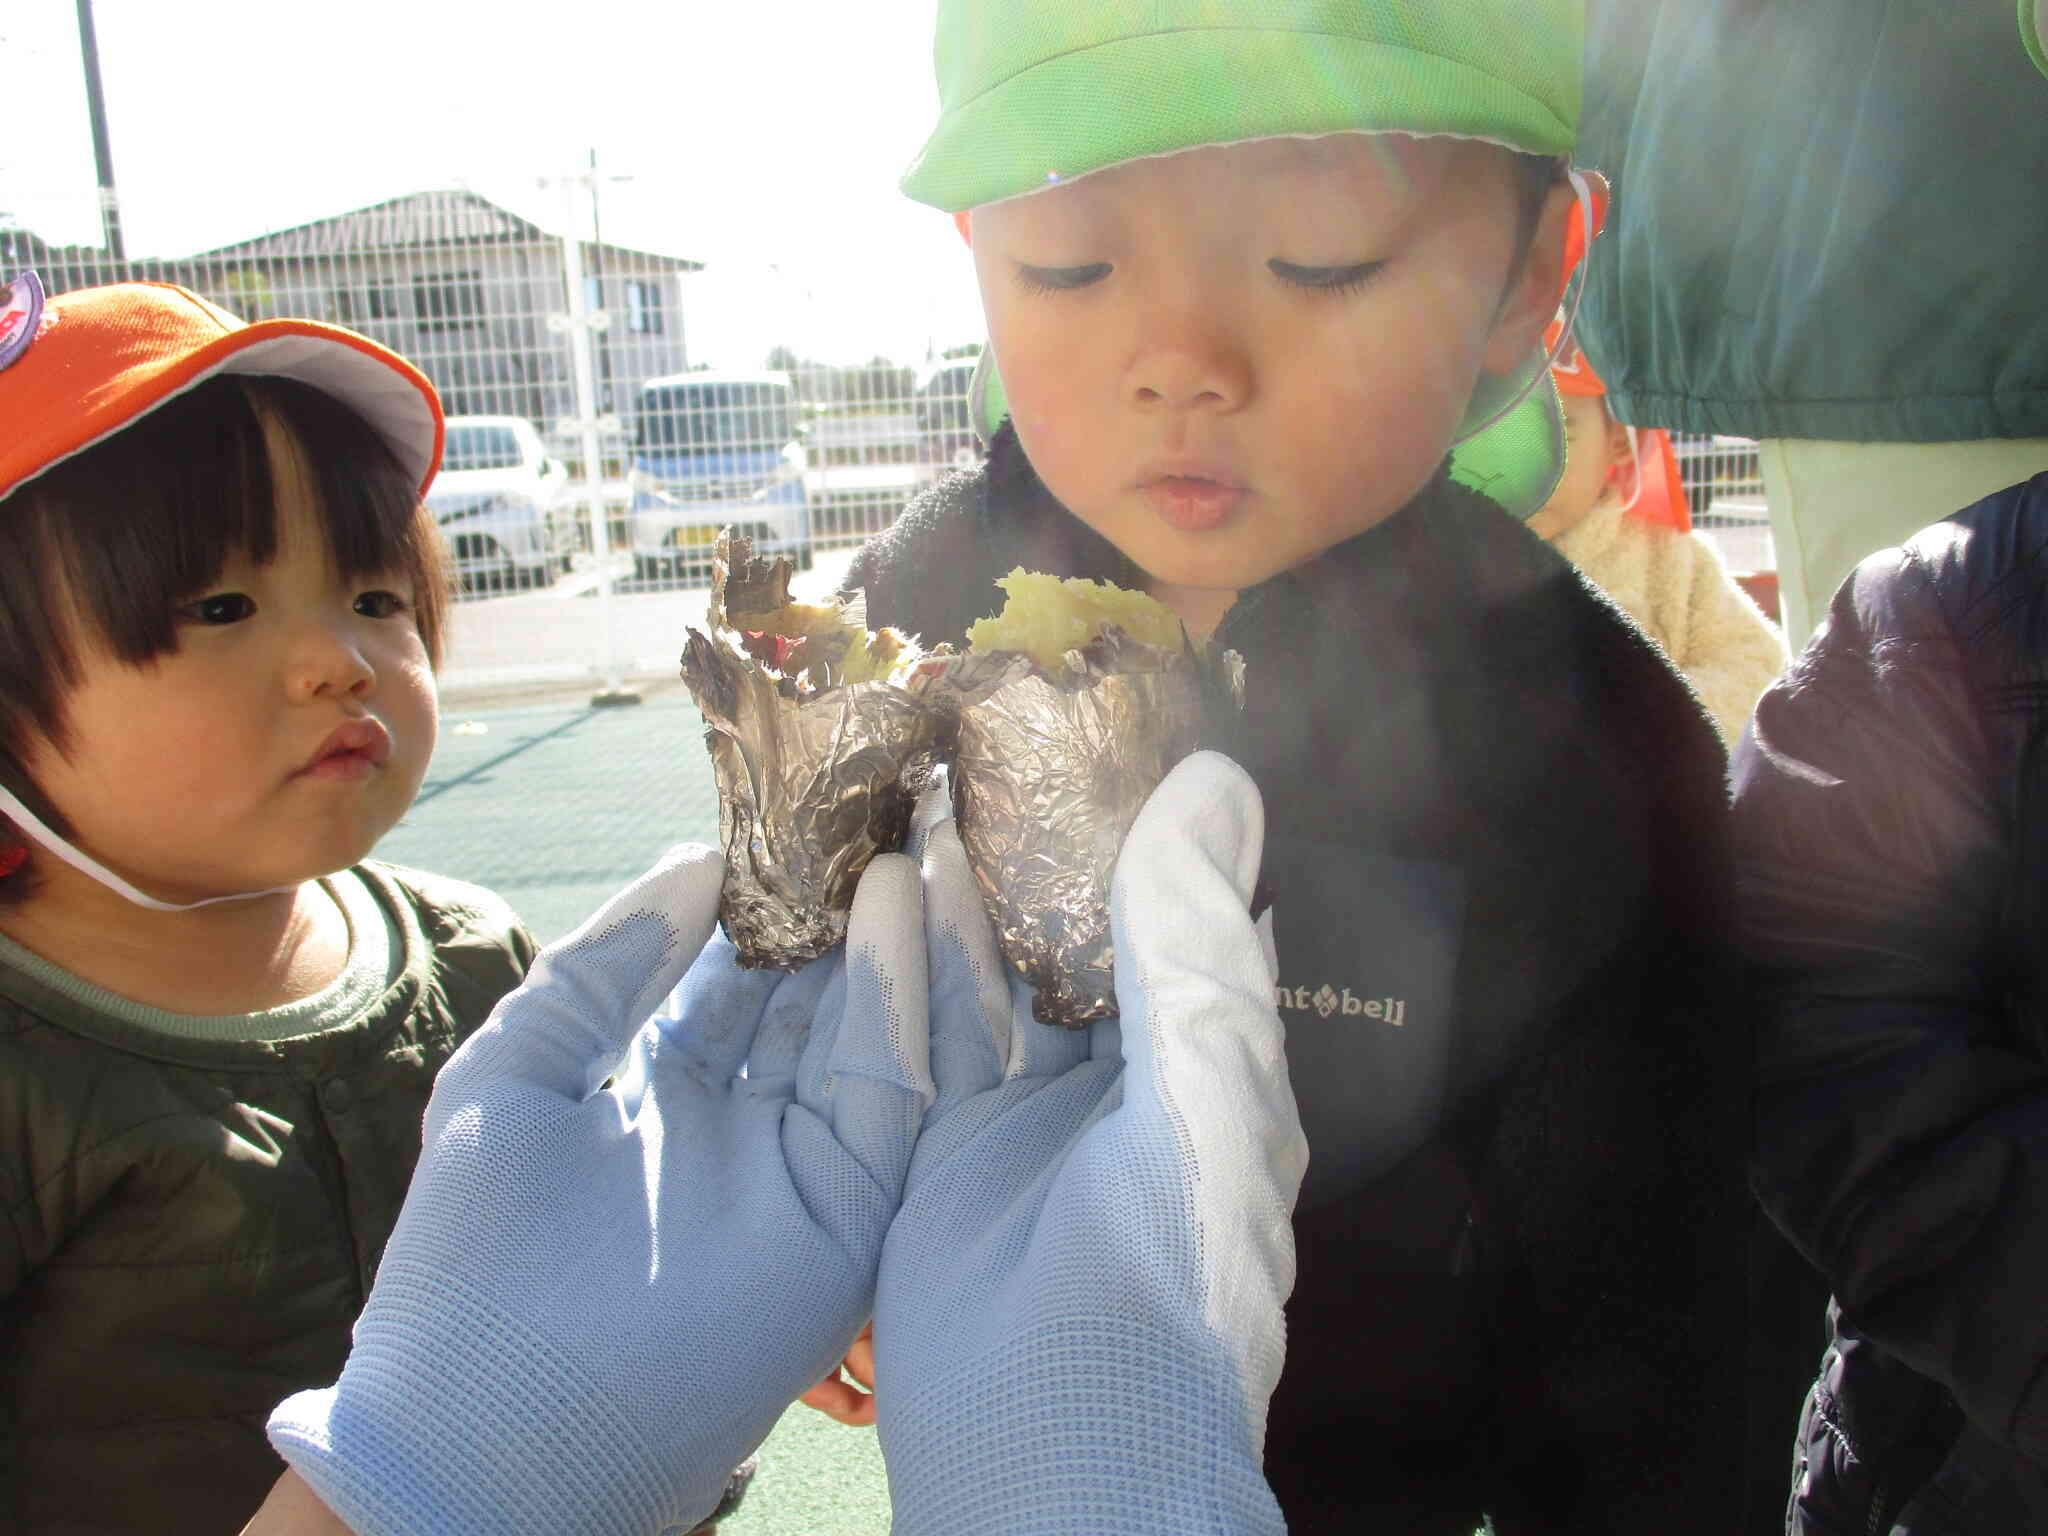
1828, 218
191, 1227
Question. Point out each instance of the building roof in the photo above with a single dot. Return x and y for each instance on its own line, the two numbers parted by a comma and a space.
424, 221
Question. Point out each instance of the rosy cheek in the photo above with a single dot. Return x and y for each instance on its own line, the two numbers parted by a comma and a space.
1028, 385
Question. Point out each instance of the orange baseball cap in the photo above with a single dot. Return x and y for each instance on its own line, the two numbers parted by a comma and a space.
75, 368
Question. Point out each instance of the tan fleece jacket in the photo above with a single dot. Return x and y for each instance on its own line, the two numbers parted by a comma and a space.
1675, 586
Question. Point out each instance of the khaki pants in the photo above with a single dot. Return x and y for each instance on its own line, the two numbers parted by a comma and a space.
1834, 503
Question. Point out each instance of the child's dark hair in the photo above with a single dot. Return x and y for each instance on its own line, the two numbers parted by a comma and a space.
147, 519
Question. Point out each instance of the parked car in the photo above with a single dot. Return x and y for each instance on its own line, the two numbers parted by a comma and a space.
502, 504
866, 462
717, 450
1716, 468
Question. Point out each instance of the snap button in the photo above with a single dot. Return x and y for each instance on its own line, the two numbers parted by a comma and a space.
336, 1094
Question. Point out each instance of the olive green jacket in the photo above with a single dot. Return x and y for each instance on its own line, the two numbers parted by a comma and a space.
192, 1226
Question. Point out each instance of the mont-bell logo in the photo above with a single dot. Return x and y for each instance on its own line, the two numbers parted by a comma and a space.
1327, 1001
21, 316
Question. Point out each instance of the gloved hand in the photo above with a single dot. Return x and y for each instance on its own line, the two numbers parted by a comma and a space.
1079, 1319
598, 1300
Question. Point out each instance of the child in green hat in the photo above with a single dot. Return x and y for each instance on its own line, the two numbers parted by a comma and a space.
1266, 282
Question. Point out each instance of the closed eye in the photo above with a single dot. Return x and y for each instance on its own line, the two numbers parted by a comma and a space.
1060, 279
1326, 279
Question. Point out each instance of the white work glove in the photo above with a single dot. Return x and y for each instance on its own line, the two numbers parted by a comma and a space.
598, 1300
1079, 1319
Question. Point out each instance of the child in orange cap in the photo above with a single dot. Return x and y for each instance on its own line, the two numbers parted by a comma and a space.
1619, 514
221, 604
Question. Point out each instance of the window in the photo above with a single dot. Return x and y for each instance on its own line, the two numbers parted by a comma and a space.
716, 415
383, 301
643, 308
341, 303
476, 446
593, 295
449, 301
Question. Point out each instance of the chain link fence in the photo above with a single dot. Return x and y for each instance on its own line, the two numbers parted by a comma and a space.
590, 463
588, 456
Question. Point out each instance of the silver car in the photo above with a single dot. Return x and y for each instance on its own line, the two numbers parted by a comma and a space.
502, 504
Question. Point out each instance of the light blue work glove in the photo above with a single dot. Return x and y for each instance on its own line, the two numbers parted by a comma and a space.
597, 1300
1079, 1321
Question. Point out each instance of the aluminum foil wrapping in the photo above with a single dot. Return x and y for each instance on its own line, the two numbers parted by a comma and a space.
813, 782
1049, 773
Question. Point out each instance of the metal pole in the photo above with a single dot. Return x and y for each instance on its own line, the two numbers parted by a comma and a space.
102, 155
581, 324
605, 401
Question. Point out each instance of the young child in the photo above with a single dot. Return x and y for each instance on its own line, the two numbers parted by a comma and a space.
1250, 269
221, 603
1619, 514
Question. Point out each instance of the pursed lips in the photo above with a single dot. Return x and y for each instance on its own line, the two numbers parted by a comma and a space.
1191, 495
1177, 470
351, 750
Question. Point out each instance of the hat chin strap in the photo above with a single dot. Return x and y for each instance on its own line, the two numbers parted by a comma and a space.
1584, 190
50, 842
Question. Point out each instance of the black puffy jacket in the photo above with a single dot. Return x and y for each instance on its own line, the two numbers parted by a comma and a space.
1891, 820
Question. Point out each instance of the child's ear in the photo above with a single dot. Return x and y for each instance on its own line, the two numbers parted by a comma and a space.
1621, 447
1555, 249
961, 222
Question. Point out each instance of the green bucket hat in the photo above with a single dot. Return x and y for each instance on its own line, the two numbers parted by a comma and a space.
1033, 93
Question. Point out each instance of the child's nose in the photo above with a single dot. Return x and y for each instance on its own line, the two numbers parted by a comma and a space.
330, 659
1189, 360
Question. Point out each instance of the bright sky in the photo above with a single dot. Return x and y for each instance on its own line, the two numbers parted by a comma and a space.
763, 137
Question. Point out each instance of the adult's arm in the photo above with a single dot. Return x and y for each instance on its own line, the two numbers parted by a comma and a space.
1902, 1124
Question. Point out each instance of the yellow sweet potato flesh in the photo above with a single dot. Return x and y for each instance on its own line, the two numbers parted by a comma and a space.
1044, 617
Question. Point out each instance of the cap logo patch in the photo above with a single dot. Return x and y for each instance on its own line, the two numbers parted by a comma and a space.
21, 316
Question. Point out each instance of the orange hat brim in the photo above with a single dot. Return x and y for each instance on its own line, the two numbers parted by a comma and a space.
106, 357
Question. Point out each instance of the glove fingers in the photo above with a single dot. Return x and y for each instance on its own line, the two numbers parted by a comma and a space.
879, 1078
810, 1043
934, 806
773, 1018
1043, 1050
970, 993
1204, 1046
1181, 898
1106, 1040
717, 1009
587, 995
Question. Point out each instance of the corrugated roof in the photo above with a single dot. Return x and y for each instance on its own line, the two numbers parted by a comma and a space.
422, 221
